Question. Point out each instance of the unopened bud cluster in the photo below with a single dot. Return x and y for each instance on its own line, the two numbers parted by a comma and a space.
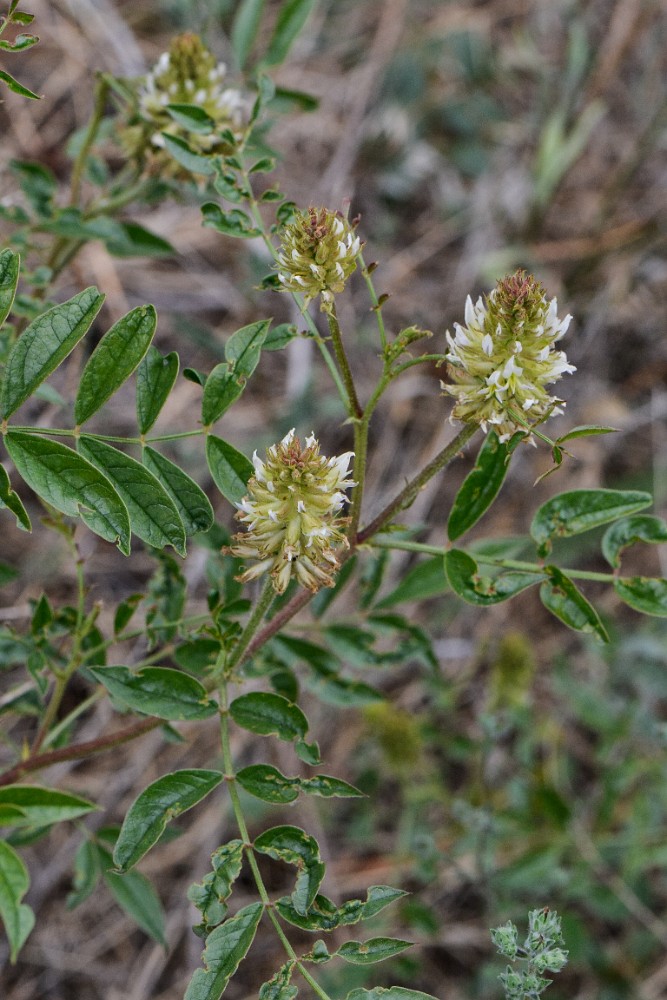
292, 515
318, 254
187, 74
501, 361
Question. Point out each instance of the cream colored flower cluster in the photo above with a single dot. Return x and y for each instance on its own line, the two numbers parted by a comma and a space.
291, 513
503, 358
187, 74
318, 253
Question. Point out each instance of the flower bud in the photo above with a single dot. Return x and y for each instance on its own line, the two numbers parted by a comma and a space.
292, 515
186, 74
504, 356
318, 254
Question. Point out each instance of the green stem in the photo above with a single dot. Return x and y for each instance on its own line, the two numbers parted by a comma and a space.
530, 567
249, 852
63, 678
258, 612
353, 406
69, 432
101, 93
408, 494
377, 308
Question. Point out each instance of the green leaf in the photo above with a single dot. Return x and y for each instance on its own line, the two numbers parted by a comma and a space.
70, 484
193, 506
20, 43
645, 594
465, 579
135, 894
245, 27
210, 895
279, 337
226, 947
388, 993
327, 787
160, 691
114, 359
291, 19
481, 485
267, 783
325, 674
195, 163
12, 501
278, 986
43, 806
229, 468
624, 533
157, 805
563, 599
7, 573
293, 846
191, 117
326, 916
14, 883
371, 951
44, 345
87, 871
233, 222
129, 239
269, 715
10, 263
16, 87
426, 579
221, 389
153, 514
580, 510
156, 375
585, 430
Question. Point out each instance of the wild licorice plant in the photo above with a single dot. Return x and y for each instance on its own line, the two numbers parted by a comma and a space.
302, 534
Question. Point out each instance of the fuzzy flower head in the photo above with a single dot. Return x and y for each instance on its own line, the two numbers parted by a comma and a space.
318, 254
187, 74
501, 361
291, 513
